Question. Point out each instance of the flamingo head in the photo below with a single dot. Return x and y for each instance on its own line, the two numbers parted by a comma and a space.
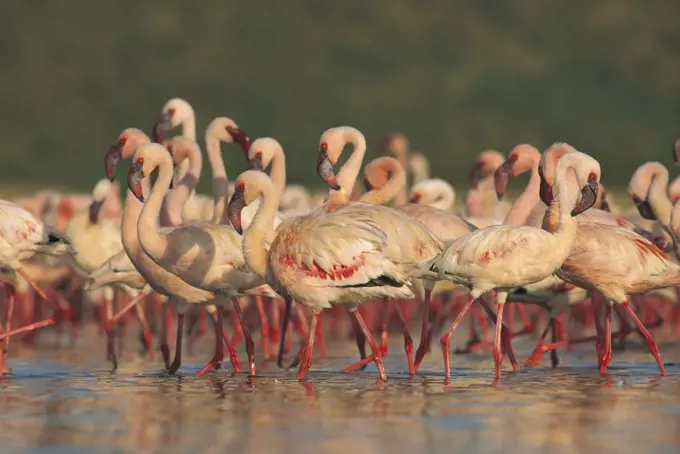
262, 151
643, 207
415, 197
588, 195
236, 204
123, 148
604, 203
502, 175
676, 151
324, 167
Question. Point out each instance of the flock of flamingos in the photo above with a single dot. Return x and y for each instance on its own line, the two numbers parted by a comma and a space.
562, 257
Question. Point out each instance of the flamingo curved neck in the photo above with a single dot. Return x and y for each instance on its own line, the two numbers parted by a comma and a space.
444, 197
219, 178
347, 176
154, 244
525, 203
131, 213
179, 196
261, 229
390, 190
658, 197
278, 172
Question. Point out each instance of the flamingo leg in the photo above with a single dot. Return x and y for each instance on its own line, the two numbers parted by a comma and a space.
264, 326
497, 352
387, 310
284, 330
110, 347
425, 330
505, 338
233, 356
361, 343
177, 361
145, 328
537, 354
9, 309
607, 354
250, 345
305, 354
276, 322
446, 338
219, 346
377, 358
165, 349
408, 344
653, 347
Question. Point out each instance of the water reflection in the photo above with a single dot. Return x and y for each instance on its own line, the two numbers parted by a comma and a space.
56, 401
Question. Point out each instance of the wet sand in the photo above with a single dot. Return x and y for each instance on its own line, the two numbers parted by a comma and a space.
66, 401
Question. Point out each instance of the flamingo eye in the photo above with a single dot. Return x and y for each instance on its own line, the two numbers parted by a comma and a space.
122, 140
513, 157
592, 176
323, 146
258, 154
239, 186
171, 111
140, 160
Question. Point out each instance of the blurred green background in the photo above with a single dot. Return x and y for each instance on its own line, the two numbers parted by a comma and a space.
456, 76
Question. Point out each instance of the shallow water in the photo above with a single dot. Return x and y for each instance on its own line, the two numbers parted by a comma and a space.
63, 401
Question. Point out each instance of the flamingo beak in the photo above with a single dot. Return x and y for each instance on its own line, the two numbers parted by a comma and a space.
240, 137
161, 126
234, 208
475, 176
324, 167
415, 198
545, 191
111, 159
644, 208
676, 151
368, 185
501, 177
588, 197
135, 177
256, 163
93, 212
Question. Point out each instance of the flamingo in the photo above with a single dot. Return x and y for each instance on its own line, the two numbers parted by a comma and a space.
340, 257
434, 192
21, 237
502, 257
206, 255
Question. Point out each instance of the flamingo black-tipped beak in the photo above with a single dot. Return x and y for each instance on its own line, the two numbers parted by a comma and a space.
160, 127
324, 167
256, 163
501, 177
644, 208
368, 185
676, 151
415, 198
134, 179
93, 211
588, 197
111, 159
240, 137
545, 191
236, 205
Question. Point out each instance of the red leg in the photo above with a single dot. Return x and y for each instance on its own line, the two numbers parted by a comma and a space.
425, 330
408, 340
497, 352
250, 345
388, 310
377, 358
305, 354
219, 346
528, 326
653, 347
607, 354
145, 327
446, 338
505, 338
276, 321
537, 354
264, 326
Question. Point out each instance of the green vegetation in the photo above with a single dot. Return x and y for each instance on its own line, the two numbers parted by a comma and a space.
455, 76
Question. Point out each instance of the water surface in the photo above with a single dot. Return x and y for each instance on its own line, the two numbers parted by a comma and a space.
66, 401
